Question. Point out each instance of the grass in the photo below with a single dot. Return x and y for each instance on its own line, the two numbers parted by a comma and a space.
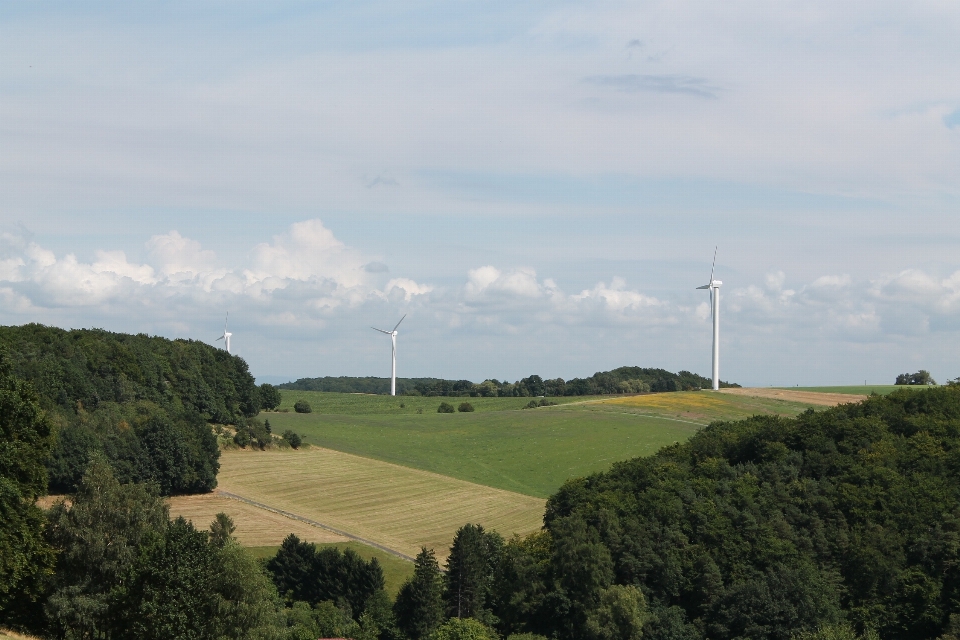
396, 571
397, 507
864, 390
362, 404
530, 451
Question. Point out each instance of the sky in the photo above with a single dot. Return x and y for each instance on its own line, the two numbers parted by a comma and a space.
539, 187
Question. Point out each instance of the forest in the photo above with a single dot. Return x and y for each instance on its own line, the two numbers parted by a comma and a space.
146, 403
620, 380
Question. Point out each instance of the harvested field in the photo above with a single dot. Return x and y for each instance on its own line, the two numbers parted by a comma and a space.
397, 507
255, 527
806, 397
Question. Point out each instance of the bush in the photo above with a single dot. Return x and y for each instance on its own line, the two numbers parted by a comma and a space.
292, 438
465, 407
242, 437
302, 406
445, 407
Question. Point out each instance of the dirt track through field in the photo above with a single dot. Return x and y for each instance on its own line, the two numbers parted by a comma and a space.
256, 526
807, 397
393, 507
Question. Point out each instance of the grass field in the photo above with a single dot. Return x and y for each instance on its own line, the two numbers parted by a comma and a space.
361, 403
397, 507
395, 570
528, 451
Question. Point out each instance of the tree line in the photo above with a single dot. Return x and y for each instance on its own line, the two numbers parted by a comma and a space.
145, 403
617, 381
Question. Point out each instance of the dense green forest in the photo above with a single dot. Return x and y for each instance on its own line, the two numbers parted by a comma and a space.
144, 402
621, 380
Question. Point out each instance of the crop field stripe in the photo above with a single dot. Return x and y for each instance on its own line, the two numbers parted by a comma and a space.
293, 516
395, 507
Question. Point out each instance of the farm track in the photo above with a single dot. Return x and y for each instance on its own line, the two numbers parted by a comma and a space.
314, 523
391, 507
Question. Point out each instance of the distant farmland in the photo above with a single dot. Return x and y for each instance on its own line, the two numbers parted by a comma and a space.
530, 451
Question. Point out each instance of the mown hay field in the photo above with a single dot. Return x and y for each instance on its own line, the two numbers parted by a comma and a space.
256, 527
394, 506
532, 451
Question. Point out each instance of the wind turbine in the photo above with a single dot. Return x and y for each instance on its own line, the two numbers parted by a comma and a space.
393, 366
714, 287
226, 334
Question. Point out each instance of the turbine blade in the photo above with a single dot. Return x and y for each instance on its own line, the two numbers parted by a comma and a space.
714, 262
381, 330
220, 338
401, 320
706, 286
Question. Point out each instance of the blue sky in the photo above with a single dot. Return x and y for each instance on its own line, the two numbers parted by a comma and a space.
539, 187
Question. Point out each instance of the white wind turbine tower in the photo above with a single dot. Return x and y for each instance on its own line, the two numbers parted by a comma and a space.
393, 366
714, 287
226, 334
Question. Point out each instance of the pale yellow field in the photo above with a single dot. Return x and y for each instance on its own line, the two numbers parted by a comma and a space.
397, 507
255, 527
706, 406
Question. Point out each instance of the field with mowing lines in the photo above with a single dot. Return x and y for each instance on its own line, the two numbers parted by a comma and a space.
398, 507
395, 570
530, 451
255, 527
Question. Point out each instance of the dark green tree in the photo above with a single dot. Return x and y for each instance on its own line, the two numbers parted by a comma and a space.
269, 397
471, 567
24, 446
99, 536
446, 407
293, 438
465, 407
419, 605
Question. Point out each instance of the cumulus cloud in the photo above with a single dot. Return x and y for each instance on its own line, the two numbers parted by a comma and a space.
178, 257
409, 288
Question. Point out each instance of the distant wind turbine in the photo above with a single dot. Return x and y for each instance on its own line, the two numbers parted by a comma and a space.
226, 334
714, 287
393, 366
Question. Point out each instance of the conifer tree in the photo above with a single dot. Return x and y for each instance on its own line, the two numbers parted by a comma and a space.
419, 605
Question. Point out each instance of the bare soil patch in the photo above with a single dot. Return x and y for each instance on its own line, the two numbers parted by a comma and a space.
806, 397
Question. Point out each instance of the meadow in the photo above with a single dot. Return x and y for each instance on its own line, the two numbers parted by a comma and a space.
397, 507
530, 451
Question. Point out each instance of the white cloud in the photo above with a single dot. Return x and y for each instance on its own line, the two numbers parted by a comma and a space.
180, 258
409, 288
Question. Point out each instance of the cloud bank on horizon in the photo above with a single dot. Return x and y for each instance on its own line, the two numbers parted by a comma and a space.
539, 187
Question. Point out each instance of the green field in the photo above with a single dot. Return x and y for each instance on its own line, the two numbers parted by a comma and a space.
864, 390
395, 570
362, 403
529, 451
